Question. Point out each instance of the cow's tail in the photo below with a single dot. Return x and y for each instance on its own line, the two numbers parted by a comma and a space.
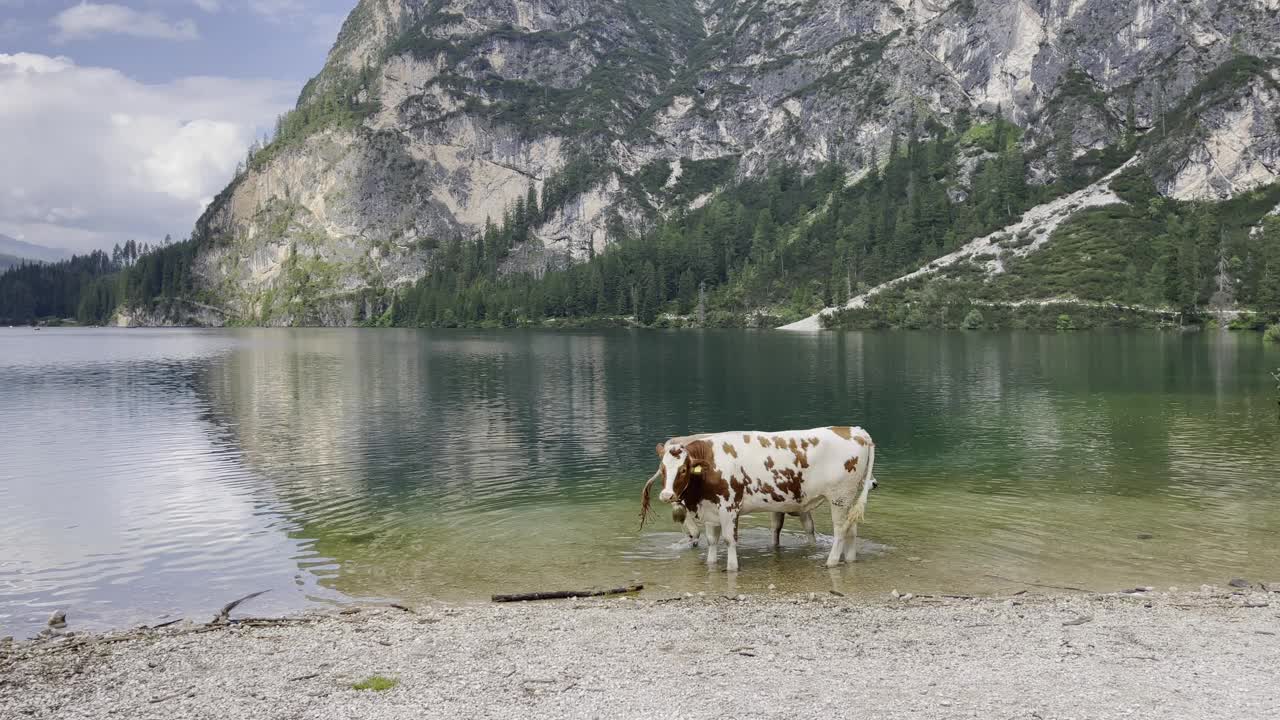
859, 508
645, 509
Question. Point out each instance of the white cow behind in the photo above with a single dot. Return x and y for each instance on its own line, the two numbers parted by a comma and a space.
683, 517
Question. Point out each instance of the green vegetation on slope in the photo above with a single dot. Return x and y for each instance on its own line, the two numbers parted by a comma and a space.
1157, 251
784, 241
1152, 260
342, 103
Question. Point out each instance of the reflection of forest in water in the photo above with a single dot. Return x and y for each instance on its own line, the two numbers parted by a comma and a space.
424, 458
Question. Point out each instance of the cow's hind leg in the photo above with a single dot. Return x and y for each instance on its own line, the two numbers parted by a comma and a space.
806, 520
839, 526
851, 544
776, 523
713, 541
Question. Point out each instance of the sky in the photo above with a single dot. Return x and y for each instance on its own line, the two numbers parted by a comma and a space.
122, 119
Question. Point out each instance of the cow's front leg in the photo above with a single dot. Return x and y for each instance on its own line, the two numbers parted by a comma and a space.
713, 541
776, 523
691, 529
729, 524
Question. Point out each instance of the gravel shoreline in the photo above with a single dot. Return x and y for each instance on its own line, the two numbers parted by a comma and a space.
1178, 655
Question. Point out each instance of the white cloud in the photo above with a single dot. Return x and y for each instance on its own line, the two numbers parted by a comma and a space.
209, 6
93, 156
88, 20
276, 9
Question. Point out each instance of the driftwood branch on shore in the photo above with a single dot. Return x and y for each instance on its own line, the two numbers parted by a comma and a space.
225, 613
562, 594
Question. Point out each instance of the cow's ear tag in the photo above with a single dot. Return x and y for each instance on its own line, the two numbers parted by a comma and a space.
697, 469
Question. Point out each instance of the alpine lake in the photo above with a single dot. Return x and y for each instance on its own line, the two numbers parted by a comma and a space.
148, 475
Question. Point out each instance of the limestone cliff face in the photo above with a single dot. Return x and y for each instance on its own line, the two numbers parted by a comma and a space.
433, 116
1234, 146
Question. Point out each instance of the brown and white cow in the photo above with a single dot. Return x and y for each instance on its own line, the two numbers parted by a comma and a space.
681, 516
720, 476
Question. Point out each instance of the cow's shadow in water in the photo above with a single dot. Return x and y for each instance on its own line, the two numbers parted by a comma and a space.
752, 542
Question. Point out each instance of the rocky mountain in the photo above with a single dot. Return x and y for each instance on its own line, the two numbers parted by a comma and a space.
592, 121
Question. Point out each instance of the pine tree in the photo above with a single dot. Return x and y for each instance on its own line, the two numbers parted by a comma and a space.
1064, 151
762, 238
1000, 133
1187, 288
1268, 295
686, 291
531, 202
1129, 140
647, 295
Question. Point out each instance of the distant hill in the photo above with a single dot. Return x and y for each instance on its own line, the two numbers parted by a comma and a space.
8, 261
12, 248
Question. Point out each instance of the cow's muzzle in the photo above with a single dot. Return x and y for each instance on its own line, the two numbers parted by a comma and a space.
666, 496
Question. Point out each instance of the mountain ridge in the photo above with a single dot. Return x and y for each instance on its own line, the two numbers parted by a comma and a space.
451, 149
29, 251
476, 102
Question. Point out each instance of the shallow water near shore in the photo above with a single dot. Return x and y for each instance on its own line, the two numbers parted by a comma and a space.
152, 474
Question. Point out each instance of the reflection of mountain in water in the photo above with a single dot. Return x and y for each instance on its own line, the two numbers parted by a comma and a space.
389, 453
403, 420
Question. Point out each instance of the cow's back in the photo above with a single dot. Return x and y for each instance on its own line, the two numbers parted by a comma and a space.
794, 468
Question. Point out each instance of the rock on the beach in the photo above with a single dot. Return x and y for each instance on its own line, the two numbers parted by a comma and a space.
1238, 583
58, 619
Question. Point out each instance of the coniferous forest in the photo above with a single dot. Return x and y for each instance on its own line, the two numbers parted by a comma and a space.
89, 288
784, 245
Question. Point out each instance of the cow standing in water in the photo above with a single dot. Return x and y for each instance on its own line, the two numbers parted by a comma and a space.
722, 475
681, 515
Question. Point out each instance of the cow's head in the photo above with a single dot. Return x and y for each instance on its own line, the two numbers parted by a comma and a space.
683, 467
